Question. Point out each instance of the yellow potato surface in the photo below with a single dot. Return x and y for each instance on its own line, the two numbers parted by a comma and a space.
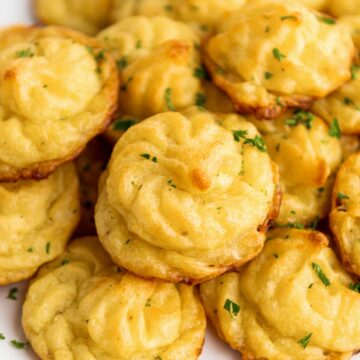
345, 214
37, 219
344, 7
307, 156
172, 201
88, 16
275, 54
291, 302
58, 89
82, 306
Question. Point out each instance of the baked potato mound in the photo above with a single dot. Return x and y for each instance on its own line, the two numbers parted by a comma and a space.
345, 214
307, 156
274, 55
344, 7
293, 301
58, 89
37, 219
203, 15
82, 306
344, 103
88, 16
187, 196
158, 61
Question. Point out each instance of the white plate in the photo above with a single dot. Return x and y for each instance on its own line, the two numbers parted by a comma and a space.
17, 12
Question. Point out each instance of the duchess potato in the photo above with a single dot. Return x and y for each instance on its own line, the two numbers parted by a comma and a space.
275, 55
293, 301
37, 219
203, 15
82, 306
344, 104
58, 89
307, 156
345, 214
88, 16
158, 63
187, 196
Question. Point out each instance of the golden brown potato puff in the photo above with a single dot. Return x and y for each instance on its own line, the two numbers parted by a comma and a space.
308, 154
274, 55
88, 16
90, 164
37, 219
82, 306
172, 201
345, 214
293, 301
58, 89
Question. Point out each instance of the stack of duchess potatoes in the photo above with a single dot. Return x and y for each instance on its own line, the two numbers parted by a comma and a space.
203, 158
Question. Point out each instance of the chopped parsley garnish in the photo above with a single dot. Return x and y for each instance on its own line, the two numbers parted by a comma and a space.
354, 69
340, 196
313, 225
168, 100
17, 344
170, 182
334, 130
124, 87
148, 157
301, 117
278, 55
268, 75
293, 225
355, 287
24, 53
201, 73
12, 295
289, 17
200, 99
2, 337
124, 124
64, 262
257, 142
278, 102
100, 55
304, 342
30, 250
275, 255
168, 7
321, 274
311, 285
239, 134
327, 20
122, 62
148, 303
231, 307
348, 101
47, 247
138, 44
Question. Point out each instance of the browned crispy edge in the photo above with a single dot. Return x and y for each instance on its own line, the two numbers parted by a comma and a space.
111, 86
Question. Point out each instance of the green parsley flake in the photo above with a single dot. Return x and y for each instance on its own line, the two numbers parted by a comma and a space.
301, 117
231, 307
321, 274
17, 344
148, 157
122, 62
327, 20
168, 7
268, 75
47, 248
138, 44
200, 99
340, 196
278, 55
64, 262
170, 182
2, 337
354, 70
148, 302
12, 295
124, 124
24, 53
201, 73
293, 225
314, 224
289, 17
257, 142
355, 287
278, 102
100, 55
304, 342
168, 100
30, 250
239, 134
334, 130
276, 256
348, 101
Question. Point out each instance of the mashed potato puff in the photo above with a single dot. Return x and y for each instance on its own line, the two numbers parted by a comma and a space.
55, 84
344, 7
277, 55
82, 306
90, 164
307, 156
37, 219
203, 15
345, 214
171, 202
304, 309
82, 15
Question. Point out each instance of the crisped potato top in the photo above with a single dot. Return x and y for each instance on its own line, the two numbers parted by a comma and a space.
279, 48
182, 181
292, 301
345, 215
37, 219
81, 306
54, 84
